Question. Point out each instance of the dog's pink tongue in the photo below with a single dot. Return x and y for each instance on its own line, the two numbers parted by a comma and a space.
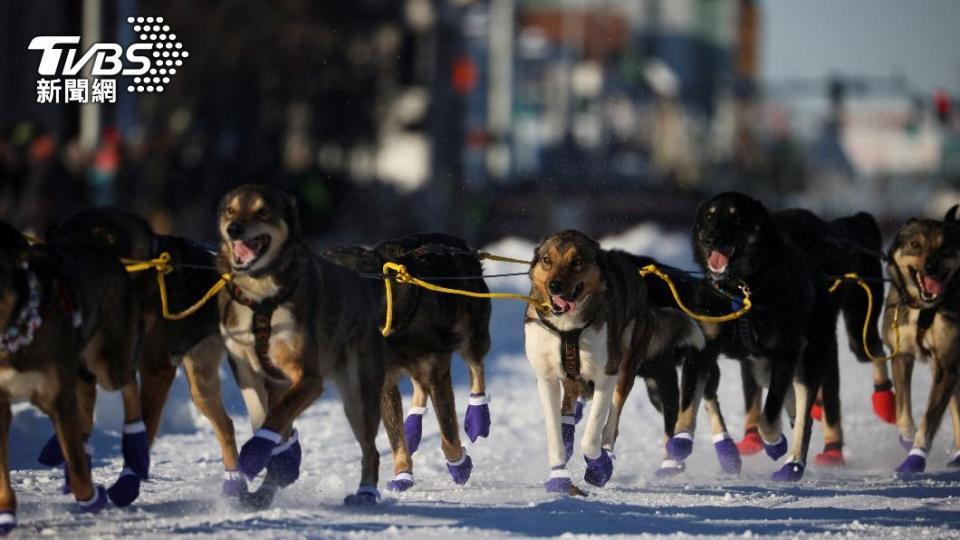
564, 305
717, 260
931, 285
242, 251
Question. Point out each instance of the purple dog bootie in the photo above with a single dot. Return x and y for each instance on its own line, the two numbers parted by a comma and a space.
476, 422
776, 449
559, 481
51, 455
670, 468
599, 469
136, 448
790, 472
8, 521
366, 495
413, 427
460, 470
256, 452
283, 468
915, 463
680, 446
126, 489
954, 462
234, 484
96, 503
568, 428
727, 453
401, 482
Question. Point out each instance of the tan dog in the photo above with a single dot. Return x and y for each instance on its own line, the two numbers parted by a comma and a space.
290, 320
925, 301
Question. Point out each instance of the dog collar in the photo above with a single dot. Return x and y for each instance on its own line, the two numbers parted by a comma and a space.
261, 324
21, 331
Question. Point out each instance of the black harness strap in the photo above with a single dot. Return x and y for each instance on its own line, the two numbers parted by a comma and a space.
569, 346
260, 326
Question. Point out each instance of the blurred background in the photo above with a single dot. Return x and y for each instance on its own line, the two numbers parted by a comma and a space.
487, 118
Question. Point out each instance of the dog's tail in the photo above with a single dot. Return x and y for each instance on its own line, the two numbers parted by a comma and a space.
434, 340
863, 232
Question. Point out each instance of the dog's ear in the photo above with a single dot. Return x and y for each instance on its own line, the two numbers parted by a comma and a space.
293, 216
951, 215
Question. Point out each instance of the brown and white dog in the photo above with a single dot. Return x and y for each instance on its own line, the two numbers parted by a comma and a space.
598, 328
290, 320
67, 315
924, 265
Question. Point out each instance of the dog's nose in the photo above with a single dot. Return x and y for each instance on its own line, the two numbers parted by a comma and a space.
235, 230
555, 287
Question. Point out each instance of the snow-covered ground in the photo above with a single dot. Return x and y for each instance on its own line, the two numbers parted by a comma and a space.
504, 497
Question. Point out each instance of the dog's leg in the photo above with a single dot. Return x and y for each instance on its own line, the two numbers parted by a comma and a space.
599, 460
774, 443
805, 391
135, 446
155, 383
476, 419
832, 455
723, 444
252, 389
903, 385
202, 368
665, 388
549, 391
361, 404
752, 394
66, 422
944, 386
413, 424
694, 373
955, 415
571, 410
8, 500
391, 409
440, 387
625, 380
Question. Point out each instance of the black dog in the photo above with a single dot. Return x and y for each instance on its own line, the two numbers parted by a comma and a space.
784, 338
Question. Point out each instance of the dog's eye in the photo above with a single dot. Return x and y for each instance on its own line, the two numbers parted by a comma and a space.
577, 263
263, 213
545, 260
914, 244
230, 212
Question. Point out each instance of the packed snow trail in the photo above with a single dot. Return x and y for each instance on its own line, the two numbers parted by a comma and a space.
505, 497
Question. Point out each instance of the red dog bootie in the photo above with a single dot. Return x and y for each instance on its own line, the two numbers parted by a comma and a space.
884, 402
832, 455
816, 412
751, 443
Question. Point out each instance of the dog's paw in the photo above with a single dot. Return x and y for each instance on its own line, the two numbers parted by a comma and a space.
234, 485
954, 462
578, 411
51, 455
476, 421
727, 453
401, 482
559, 481
790, 472
283, 469
905, 443
136, 449
816, 412
915, 463
8, 521
126, 489
600, 469
776, 449
365, 496
460, 470
680, 446
884, 402
568, 428
256, 452
260, 499
832, 456
751, 443
96, 503
413, 427
670, 468
66, 470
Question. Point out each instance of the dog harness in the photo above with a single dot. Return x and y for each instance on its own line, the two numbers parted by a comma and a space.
21, 331
260, 325
745, 331
569, 346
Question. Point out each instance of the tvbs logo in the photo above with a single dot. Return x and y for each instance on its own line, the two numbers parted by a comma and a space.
151, 61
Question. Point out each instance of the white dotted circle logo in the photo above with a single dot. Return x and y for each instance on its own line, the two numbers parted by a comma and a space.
167, 52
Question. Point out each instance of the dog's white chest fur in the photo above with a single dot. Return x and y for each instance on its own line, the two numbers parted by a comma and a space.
543, 351
239, 339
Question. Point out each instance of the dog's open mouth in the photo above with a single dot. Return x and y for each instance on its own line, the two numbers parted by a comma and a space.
930, 288
718, 261
561, 304
249, 250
